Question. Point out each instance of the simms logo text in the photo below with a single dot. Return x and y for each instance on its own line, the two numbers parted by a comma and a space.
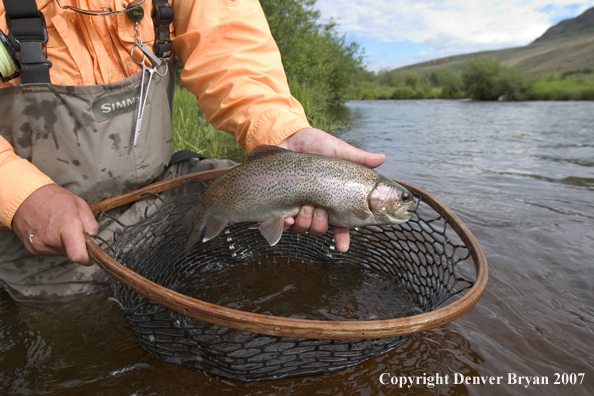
109, 107
112, 106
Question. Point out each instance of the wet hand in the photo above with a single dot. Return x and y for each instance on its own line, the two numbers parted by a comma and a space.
315, 220
56, 219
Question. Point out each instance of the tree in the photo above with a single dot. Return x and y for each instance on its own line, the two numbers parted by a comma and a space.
486, 78
449, 80
314, 55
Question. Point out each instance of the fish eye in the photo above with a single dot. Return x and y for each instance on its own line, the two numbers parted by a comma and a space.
405, 196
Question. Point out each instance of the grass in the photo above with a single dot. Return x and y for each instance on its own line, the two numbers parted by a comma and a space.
567, 89
191, 131
314, 102
366, 90
373, 91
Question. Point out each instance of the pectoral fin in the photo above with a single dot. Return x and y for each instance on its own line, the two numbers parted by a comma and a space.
271, 229
214, 226
362, 213
192, 223
194, 236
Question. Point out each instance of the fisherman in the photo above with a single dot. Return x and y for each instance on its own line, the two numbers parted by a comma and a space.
86, 115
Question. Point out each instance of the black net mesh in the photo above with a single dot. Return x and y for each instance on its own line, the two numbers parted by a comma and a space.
388, 272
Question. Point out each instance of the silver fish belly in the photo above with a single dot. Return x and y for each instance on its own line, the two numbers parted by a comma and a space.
274, 183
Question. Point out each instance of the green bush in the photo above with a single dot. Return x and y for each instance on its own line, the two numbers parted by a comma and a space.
479, 78
449, 80
404, 92
312, 102
588, 93
397, 78
568, 89
486, 78
368, 90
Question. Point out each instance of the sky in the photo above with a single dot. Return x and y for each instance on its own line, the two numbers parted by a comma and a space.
395, 33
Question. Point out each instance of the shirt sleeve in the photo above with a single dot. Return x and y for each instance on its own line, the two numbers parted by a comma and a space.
18, 179
233, 65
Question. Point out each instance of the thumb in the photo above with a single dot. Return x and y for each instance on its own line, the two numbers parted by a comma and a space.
311, 140
361, 157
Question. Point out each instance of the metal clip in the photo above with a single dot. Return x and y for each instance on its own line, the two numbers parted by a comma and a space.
154, 59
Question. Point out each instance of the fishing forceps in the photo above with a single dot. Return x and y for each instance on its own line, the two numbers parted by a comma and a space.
156, 63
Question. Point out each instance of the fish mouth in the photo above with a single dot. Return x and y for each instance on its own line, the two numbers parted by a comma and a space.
403, 211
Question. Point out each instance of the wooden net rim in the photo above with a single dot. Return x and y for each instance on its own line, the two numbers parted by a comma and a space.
290, 327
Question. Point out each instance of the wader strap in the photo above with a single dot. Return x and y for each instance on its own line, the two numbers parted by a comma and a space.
162, 18
27, 24
183, 155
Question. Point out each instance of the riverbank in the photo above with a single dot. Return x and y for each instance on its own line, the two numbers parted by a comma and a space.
479, 79
562, 90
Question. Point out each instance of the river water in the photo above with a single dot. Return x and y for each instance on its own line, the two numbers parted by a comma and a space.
519, 175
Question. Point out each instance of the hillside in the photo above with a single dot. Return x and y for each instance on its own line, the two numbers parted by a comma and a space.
579, 24
565, 47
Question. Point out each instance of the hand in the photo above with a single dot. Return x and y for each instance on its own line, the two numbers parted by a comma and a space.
315, 220
56, 218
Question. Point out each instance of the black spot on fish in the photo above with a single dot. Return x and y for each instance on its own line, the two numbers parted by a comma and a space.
110, 174
103, 170
64, 161
76, 162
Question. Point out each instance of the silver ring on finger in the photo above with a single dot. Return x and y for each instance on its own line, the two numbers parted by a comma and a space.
31, 238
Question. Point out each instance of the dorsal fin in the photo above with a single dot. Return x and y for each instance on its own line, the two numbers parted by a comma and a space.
265, 150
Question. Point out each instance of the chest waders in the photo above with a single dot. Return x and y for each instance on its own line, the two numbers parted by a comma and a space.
81, 137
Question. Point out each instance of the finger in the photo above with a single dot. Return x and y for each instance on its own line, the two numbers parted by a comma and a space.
35, 245
342, 239
319, 224
87, 218
74, 244
289, 221
303, 219
36, 242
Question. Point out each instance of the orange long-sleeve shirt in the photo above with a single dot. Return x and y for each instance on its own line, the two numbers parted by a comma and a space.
231, 63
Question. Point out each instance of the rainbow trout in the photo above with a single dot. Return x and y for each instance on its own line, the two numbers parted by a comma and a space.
274, 183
